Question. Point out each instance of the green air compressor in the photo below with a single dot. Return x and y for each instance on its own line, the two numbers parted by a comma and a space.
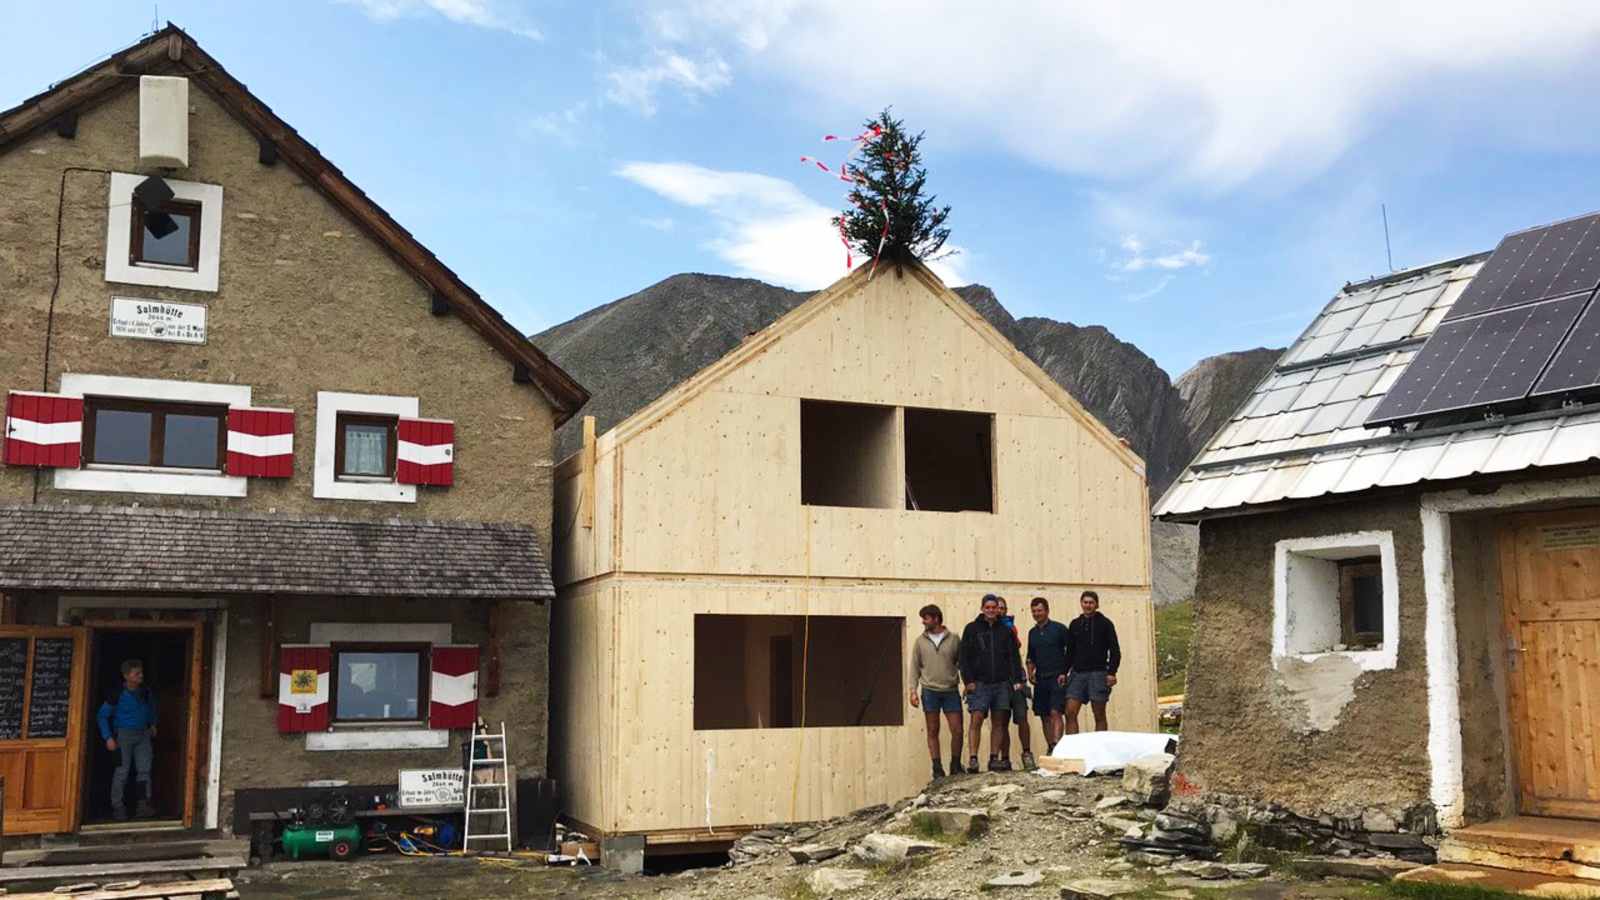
332, 841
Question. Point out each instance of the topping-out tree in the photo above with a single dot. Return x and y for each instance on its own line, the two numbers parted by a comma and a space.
888, 180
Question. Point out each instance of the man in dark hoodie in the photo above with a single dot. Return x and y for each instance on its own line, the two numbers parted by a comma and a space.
991, 668
1095, 655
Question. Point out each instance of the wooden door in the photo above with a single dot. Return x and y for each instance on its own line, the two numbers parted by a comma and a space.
43, 688
1550, 573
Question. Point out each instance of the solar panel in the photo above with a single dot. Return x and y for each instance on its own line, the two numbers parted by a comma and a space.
1535, 265
1481, 360
1577, 364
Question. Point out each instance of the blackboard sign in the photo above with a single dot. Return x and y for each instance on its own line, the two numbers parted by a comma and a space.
13, 667
51, 697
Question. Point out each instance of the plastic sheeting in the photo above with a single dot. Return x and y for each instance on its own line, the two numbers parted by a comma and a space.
1109, 751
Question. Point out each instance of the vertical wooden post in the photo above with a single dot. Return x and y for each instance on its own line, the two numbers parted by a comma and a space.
586, 494
8, 609
491, 650
269, 646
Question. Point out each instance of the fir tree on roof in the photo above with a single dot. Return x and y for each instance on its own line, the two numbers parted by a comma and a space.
888, 178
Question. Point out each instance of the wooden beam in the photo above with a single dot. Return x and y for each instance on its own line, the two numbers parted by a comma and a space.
520, 374
439, 305
266, 152
269, 610
491, 668
8, 609
586, 492
67, 125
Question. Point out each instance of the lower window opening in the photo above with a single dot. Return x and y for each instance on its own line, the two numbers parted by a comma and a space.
764, 672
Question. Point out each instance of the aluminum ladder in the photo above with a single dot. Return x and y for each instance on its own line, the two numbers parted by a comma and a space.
480, 814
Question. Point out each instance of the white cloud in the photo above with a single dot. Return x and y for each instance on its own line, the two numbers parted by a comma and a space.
1197, 93
497, 15
764, 227
635, 87
1141, 296
1176, 256
562, 125
658, 223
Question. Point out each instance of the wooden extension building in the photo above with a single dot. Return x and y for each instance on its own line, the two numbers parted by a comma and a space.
740, 563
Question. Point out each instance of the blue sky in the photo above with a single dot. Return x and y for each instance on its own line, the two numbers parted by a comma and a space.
1198, 177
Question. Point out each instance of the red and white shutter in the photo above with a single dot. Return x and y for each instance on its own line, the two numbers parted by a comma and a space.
260, 442
43, 430
304, 678
426, 451
453, 689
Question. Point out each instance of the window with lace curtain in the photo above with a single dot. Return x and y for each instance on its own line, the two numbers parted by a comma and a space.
365, 448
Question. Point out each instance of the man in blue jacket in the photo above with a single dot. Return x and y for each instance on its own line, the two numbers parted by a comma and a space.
128, 723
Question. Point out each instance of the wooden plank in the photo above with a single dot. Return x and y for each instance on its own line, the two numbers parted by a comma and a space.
191, 741
269, 609
104, 871
586, 500
204, 887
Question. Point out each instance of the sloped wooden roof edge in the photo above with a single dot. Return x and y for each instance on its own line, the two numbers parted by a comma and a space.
172, 51
762, 340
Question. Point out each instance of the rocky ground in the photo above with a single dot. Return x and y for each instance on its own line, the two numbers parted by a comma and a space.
1012, 835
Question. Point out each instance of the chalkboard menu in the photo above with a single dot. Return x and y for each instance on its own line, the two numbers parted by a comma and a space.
13, 666
51, 697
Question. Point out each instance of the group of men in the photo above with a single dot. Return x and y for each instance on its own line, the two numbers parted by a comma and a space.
1066, 667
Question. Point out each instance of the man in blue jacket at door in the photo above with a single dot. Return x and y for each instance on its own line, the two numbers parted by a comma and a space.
128, 724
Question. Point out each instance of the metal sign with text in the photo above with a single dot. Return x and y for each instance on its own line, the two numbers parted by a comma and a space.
158, 320
432, 787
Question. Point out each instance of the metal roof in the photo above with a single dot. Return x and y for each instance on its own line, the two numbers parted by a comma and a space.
1301, 433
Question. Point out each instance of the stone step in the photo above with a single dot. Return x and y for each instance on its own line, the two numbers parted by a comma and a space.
1531, 884
1563, 848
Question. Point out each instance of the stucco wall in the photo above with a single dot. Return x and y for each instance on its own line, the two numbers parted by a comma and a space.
306, 303
1315, 738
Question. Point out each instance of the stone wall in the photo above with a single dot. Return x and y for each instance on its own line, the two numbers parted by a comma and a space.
1321, 740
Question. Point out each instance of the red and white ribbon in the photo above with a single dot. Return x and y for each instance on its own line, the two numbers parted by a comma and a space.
844, 174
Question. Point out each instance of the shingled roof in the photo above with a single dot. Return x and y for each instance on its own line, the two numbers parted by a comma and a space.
133, 550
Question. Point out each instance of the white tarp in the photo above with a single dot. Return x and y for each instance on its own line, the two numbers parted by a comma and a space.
1109, 751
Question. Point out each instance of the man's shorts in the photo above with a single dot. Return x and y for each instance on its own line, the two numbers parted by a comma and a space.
990, 698
941, 701
1049, 696
1088, 687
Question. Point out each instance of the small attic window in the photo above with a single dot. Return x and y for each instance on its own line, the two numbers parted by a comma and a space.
168, 235
1337, 595
848, 455
949, 461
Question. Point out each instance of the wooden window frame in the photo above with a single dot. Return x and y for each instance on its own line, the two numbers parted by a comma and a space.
1349, 571
342, 419
191, 208
424, 654
158, 410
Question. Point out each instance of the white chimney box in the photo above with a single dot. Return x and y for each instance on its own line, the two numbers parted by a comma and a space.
163, 121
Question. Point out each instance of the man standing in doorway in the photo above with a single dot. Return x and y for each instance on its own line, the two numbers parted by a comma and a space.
128, 725
991, 667
1095, 655
1047, 669
1019, 707
935, 685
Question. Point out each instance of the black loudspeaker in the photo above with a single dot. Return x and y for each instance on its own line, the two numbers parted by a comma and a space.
153, 193
538, 803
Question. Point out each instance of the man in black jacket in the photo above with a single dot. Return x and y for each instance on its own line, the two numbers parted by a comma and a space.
991, 668
1092, 647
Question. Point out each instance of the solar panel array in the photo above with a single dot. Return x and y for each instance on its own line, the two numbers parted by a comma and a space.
1524, 327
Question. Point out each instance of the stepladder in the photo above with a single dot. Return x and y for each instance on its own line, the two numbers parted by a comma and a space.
488, 810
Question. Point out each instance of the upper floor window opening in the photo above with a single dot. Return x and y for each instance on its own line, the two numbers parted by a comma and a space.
366, 447
168, 235
125, 432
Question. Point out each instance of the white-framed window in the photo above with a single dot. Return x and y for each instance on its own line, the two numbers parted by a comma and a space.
1337, 594
184, 251
356, 447
380, 673
153, 436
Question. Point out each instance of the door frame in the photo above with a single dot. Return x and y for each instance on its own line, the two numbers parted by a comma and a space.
196, 626
1521, 736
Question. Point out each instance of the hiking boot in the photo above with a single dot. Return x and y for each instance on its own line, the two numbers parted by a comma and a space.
144, 810
938, 769
997, 765
955, 766
119, 812
972, 765
1028, 762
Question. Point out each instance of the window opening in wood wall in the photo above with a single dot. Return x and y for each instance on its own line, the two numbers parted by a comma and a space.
848, 455
379, 682
949, 461
748, 671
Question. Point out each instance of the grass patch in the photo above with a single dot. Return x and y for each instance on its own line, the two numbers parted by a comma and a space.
930, 831
1416, 890
799, 889
1174, 625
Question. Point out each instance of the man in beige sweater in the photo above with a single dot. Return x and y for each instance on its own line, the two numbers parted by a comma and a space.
935, 681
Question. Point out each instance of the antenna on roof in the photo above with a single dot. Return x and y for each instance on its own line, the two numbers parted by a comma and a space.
1387, 252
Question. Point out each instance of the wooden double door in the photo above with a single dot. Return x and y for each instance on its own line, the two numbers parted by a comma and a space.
1550, 580
52, 682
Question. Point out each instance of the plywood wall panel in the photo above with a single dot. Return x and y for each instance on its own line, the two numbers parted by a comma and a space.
584, 719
